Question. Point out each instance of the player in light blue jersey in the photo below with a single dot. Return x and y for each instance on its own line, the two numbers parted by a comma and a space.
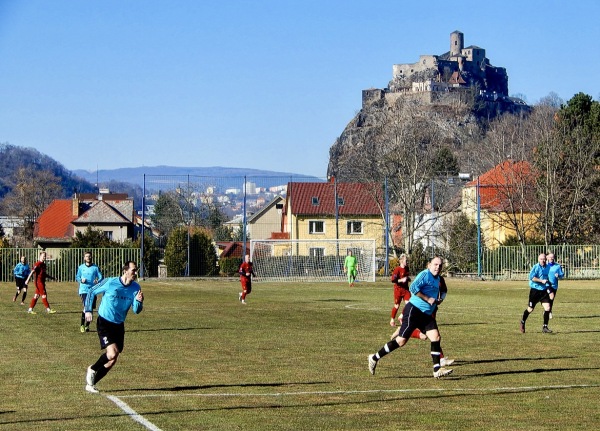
539, 292
21, 272
87, 275
555, 272
119, 294
419, 314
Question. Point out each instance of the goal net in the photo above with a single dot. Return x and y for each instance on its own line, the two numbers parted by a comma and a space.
311, 260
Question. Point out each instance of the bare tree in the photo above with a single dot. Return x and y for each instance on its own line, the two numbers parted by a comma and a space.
399, 146
32, 193
552, 100
508, 150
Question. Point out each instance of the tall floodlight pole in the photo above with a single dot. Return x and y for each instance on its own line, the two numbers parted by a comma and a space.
143, 233
337, 213
244, 220
189, 223
387, 228
478, 230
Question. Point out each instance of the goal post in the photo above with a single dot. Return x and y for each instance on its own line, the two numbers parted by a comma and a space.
311, 260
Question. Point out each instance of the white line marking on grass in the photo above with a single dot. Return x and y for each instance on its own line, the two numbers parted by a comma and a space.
372, 391
363, 307
133, 414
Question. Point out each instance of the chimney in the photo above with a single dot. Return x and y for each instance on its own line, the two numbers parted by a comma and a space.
75, 206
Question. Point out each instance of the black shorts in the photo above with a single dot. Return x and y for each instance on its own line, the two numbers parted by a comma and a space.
83, 297
110, 333
536, 296
413, 318
20, 282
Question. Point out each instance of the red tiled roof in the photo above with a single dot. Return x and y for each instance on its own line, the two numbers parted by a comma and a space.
497, 184
505, 173
235, 249
358, 198
55, 221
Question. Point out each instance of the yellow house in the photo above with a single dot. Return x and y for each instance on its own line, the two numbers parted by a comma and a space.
311, 212
508, 205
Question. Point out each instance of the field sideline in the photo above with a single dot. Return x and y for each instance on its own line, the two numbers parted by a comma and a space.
295, 358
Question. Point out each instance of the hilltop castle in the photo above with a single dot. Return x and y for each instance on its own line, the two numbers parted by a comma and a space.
434, 76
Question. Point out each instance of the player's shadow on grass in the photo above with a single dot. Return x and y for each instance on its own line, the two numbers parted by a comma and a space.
276, 406
169, 329
467, 324
516, 372
62, 311
232, 385
496, 360
594, 316
582, 331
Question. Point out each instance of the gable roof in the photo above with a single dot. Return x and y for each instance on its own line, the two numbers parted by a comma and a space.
55, 221
358, 199
233, 249
506, 173
267, 207
496, 184
101, 213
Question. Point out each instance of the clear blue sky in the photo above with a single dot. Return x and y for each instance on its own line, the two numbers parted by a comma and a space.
267, 84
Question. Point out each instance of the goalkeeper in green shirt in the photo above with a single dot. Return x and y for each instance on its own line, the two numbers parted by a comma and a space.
350, 268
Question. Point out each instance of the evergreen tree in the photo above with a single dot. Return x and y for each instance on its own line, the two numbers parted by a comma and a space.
462, 245
92, 238
176, 252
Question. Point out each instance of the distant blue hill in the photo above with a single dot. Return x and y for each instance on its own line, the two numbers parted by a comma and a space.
229, 177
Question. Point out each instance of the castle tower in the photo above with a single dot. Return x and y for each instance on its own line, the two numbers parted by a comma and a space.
457, 43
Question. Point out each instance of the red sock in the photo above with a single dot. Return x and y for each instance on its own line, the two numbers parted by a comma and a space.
33, 302
45, 301
394, 312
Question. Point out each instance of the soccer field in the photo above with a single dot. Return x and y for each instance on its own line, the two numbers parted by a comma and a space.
295, 358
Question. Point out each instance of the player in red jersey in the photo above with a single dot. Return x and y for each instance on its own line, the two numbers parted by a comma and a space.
444, 362
40, 271
246, 272
400, 279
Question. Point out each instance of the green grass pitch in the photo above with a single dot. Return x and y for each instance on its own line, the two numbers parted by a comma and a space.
295, 358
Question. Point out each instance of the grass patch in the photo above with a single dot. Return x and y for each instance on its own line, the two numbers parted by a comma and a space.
296, 358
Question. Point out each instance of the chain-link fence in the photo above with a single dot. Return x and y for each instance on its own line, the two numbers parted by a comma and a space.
202, 226
62, 263
182, 211
514, 263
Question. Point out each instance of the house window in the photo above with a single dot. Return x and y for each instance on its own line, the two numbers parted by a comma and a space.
354, 227
315, 201
108, 234
316, 226
340, 201
316, 251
